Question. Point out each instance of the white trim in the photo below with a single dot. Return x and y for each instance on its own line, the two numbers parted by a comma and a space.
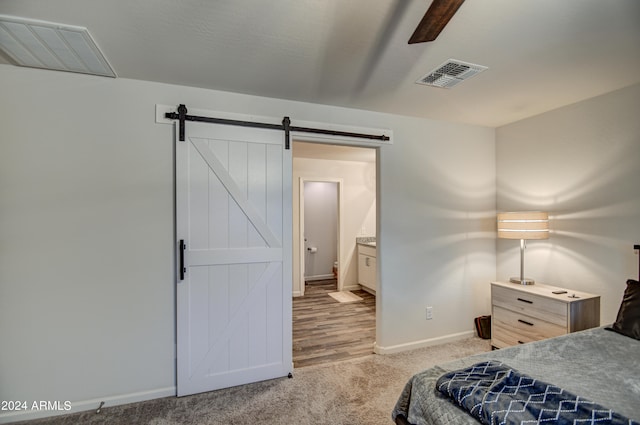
85, 405
355, 287
364, 288
303, 137
319, 277
423, 343
162, 109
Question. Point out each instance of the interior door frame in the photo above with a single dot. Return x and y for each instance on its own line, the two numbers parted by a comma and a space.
301, 259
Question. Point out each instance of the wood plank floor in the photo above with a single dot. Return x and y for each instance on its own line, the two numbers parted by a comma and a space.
325, 330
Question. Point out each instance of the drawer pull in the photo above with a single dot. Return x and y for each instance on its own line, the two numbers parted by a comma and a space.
525, 301
525, 322
520, 342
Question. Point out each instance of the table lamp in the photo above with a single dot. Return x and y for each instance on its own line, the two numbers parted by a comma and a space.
524, 226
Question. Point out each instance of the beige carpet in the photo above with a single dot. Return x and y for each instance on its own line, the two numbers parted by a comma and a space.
360, 391
345, 296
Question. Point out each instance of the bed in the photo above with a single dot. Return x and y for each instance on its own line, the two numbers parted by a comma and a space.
601, 365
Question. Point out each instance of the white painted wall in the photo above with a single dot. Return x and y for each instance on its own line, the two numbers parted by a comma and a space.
436, 239
320, 228
581, 163
359, 199
86, 236
86, 230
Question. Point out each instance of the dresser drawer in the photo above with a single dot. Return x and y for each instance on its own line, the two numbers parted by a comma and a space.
526, 313
522, 328
549, 310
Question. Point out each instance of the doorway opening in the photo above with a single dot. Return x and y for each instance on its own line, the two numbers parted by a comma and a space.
335, 205
320, 214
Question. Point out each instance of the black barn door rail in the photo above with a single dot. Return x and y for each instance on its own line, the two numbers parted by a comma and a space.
286, 126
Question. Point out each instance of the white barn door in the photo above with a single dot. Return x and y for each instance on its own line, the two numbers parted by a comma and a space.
233, 213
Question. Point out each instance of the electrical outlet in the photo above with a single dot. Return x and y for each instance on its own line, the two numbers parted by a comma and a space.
429, 313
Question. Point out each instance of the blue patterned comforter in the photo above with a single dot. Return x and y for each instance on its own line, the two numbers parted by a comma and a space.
600, 366
495, 393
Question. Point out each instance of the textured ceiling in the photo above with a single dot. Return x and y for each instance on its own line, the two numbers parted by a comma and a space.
541, 54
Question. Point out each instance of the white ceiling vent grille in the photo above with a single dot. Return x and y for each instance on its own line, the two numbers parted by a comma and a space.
451, 73
40, 44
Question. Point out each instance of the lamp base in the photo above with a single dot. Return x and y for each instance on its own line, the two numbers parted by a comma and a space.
523, 281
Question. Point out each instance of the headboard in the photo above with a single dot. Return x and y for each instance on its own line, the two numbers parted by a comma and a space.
638, 248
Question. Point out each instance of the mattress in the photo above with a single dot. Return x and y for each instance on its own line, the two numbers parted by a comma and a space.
596, 364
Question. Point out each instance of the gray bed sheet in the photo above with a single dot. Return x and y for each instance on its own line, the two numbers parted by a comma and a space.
596, 364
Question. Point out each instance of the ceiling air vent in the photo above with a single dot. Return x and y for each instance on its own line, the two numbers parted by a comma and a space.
48, 45
450, 73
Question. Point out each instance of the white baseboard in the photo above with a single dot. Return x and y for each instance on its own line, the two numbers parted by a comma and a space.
369, 290
345, 288
319, 277
84, 405
351, 287
422, 343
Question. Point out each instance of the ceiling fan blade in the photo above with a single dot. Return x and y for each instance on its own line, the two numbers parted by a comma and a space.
434, 21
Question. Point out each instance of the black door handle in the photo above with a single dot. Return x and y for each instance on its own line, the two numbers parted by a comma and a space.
181, 265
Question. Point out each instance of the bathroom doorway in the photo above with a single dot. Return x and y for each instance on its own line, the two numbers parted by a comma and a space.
320, 230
